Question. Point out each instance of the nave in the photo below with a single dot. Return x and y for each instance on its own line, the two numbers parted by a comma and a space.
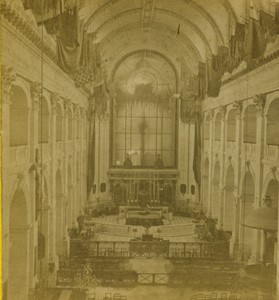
140, 149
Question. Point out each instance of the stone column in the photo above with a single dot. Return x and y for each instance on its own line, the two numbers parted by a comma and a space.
238, 138
222, 111
210, 154
8, 79
65, 244
259, 101
54, 97
36, 161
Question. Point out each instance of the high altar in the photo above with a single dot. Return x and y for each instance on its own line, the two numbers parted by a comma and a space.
141, 187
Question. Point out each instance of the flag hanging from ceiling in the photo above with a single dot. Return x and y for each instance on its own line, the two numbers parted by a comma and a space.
201, 80
213, 77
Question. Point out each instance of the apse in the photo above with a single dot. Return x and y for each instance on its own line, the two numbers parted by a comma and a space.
144, 112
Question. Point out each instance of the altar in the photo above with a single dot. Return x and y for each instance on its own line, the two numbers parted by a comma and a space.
157, 185
138, 216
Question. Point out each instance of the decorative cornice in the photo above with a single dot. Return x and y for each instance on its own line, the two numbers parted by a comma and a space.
8, 79
31, 31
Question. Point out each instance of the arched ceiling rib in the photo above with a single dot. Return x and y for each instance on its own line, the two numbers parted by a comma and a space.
192, 30
122, 26
132, 33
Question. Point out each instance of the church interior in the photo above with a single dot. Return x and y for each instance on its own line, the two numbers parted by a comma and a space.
140, 149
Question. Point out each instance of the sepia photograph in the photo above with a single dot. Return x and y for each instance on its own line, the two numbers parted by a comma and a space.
139, 149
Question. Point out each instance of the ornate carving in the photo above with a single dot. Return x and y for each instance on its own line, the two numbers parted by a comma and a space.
36, 93
67, 103
210, 114
259, 102
8, 79
222, 110
237, 106
54, 98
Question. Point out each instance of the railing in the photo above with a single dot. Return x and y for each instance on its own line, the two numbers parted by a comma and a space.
128, 231
272, 152
156, 248
153, 278
19, 154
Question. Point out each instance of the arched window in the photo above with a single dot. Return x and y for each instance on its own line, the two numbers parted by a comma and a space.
18, 117
43, 119
250, 125
231, 126
272, 135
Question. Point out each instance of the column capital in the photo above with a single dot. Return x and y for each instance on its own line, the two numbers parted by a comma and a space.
222, 111
67, 103
259, 102
54, 98
211, 114
8, 78
238, 107
36, 93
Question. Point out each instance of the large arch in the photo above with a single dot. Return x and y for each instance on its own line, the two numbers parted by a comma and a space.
215, 202
229, 210
19, 248
19, 117
247, 235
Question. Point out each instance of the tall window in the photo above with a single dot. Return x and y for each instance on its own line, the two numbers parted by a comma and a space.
144, 113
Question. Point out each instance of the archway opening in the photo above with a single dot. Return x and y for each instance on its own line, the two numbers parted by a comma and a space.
229, 200
247, 206
250, 125
216, 191
18, 117
18, 258
272, 136
231, 126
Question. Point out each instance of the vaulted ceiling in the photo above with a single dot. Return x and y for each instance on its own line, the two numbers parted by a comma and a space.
190, 30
